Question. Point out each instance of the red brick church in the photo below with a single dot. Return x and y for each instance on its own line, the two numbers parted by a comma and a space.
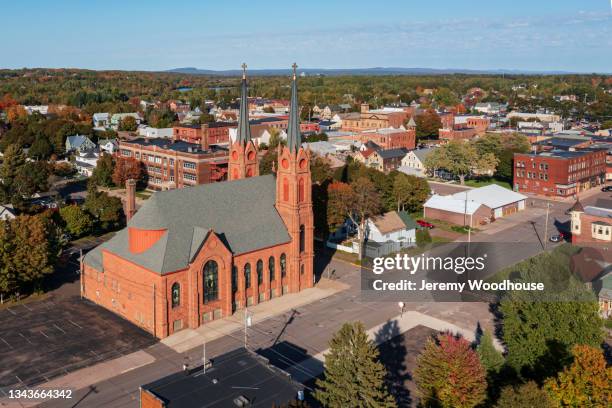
197, 254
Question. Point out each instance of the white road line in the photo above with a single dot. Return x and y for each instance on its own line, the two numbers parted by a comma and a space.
6, 342
26, 306
59, 328
26, 339
43, 333
75, 324
10, 310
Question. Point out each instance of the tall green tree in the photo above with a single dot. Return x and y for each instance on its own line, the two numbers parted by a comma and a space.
102, 175
449, 374
353, 376
107, 211
410, 192
491, 359
77, 221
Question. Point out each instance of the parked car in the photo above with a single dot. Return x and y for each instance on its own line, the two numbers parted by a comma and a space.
425, 224
606, 189
558, 237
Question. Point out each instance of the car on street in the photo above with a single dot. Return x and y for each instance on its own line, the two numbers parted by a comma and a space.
425, 224
558, 237
606, 189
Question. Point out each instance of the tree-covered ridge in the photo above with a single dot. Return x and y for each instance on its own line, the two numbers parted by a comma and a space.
110, 90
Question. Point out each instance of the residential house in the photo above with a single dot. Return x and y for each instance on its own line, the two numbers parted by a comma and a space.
590, 224
7, 212
101, 120
79, 143
118, 117
86, 161
386, 159
108, 145
414, 162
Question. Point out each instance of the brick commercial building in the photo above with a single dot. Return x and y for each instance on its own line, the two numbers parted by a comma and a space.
189, 256
390, 138
590, 224
176, 164
457, 134
375, 119
559, 173
214, 133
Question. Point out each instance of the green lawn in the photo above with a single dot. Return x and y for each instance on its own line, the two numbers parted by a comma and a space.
481, 182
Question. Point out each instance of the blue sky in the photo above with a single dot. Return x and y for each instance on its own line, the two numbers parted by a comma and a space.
571, 35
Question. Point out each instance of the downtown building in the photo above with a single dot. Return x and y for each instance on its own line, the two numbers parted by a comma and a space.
190, 256
559, 173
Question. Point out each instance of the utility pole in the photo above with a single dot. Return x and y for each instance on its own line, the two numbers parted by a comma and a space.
204, 357
546, 225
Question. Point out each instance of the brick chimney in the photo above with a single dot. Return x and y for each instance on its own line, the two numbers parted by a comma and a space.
365, 108
204, 137
130, 198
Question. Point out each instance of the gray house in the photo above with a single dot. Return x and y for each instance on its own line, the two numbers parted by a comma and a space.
79, 143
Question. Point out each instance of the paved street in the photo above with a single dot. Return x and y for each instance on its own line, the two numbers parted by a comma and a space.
290, 339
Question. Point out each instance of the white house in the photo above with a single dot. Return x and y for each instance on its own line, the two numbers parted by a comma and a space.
7, 212
394, 226
101, 120
107, 145
42, 109
414, 161
118, 117
86, 162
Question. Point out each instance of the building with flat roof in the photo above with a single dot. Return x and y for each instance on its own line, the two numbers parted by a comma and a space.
175, 164
375, 119
239, 378
559, 173
390, 138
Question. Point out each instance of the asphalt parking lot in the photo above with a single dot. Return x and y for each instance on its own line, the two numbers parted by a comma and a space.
52, 337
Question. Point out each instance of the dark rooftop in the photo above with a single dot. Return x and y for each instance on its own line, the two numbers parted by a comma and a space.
239, 375
177, 145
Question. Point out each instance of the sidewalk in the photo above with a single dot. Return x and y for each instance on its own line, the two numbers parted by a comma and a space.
314, 366
190, 338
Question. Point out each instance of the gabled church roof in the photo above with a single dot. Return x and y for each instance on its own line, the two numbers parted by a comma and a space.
241, 212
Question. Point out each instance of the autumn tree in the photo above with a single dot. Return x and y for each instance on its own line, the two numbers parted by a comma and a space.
20, 179
356, 202
527, 395
125, 169
449, 373
353, 376
410, 192
128, 124
586, 383
28, 252
427, 124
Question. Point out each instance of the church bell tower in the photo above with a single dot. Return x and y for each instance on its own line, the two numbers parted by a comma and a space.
294, 199
243, 160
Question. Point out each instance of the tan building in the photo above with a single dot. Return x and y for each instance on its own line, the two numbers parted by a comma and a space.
375, 119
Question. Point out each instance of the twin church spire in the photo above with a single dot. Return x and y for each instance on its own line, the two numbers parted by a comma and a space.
243, 160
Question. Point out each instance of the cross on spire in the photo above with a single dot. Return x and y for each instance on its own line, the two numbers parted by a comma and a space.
294, 66
244, 67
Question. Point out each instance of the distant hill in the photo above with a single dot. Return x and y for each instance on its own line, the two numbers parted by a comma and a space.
363, 71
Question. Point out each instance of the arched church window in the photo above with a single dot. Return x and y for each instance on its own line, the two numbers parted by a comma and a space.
271, 268
259, 272
234, 278
176, 294
285, 189
301, 190
283, 265
247, 275
211, 281
302, 238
